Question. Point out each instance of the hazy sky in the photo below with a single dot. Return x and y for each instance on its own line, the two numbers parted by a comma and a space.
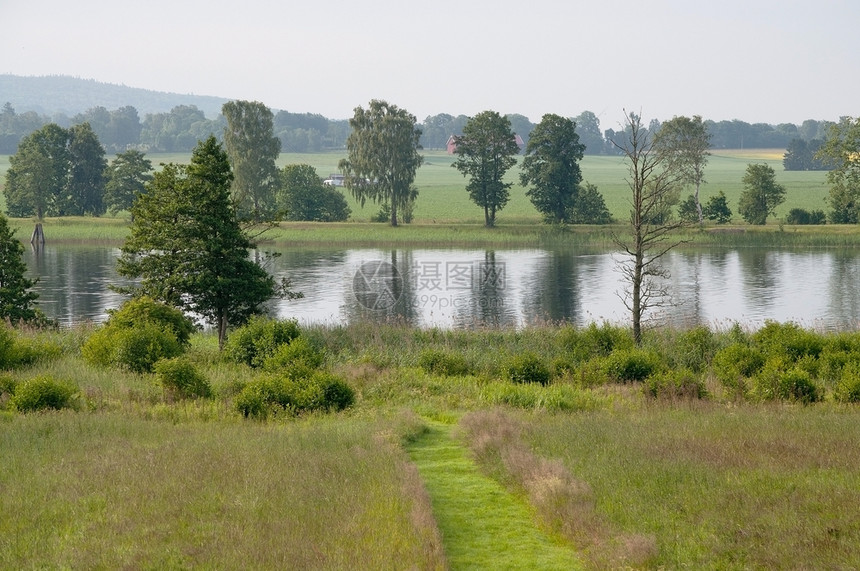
770, 61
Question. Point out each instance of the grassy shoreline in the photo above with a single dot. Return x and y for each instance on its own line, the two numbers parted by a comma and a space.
113, 231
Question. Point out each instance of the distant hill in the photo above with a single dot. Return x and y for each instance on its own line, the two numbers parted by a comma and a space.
52, 94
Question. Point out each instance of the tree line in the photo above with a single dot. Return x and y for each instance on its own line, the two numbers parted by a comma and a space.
180, 129
65, 172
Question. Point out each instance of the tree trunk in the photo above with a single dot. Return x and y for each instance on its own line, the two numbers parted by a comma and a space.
636, 305
699, 206
222, 329
393, 212
37, 239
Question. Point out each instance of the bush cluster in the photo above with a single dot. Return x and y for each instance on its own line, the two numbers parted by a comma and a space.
258, 339
40, 393
528, 368
277, 394
293, 380
138, 335
182, 379
443, 363
21, 351
783, 361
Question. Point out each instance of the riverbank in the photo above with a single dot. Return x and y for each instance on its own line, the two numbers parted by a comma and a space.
113, 231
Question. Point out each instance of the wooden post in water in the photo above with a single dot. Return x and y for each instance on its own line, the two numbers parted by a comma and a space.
37, 240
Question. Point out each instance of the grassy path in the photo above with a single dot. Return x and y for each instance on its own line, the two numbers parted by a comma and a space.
482, 526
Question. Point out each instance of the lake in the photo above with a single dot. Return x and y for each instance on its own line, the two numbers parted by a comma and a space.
465, 288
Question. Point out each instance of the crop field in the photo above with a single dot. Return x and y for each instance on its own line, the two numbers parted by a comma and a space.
442, 197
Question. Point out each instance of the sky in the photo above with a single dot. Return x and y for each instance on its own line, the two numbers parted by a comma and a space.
768, 61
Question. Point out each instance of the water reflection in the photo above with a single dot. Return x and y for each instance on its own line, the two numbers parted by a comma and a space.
464, 288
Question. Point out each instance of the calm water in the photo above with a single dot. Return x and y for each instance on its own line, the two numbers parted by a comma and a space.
476, 287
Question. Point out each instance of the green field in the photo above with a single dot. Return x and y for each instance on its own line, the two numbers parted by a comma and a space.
442, 197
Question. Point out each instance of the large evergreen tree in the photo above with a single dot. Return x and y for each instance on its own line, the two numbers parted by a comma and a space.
16, 296
383, 156
485, 151
188, 248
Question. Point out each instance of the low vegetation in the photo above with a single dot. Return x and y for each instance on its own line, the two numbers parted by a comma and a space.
701, 448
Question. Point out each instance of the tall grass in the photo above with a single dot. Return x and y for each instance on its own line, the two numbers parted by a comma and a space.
107, 491
134, 477
749, 487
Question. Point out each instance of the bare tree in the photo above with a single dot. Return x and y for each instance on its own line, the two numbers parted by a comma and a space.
654, 183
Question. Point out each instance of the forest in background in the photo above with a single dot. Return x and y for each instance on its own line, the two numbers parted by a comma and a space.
131, 118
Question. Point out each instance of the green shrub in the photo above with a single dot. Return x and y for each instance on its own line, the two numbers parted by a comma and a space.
848, 387
631, 365
260, 397
803, 216
296, 358
337, 394
780, 380
675, 384
527, 368
140, 310
7, 343
596, 341
797, 385
695, 348
271, 394
443, 363
182, 379
788, 339
258, 339
43, 392
136, 348
7, 389
736, 363
592, 373
563, 367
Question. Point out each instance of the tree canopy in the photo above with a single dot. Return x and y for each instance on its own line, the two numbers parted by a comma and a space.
127, 176
303, 196
841, 151
551, 166
761, 194
38, 173
57, 172
383, 156
253, 149
187, 247
485, 151
683, 144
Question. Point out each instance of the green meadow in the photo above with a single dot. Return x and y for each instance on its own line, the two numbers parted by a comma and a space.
444, 460
442, 197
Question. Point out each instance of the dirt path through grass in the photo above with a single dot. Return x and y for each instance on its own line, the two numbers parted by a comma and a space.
482, 525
